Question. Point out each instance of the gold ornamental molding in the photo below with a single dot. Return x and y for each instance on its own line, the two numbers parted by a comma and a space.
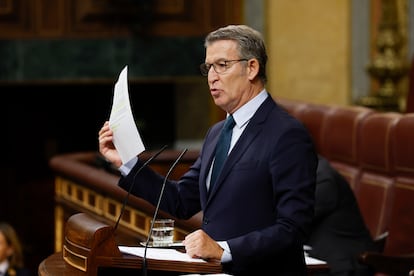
387, 67
83, 198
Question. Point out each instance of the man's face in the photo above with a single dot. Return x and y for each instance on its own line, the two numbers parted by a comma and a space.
229, 89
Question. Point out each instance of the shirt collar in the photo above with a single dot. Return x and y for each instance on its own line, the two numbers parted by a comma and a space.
246, 112
4, 265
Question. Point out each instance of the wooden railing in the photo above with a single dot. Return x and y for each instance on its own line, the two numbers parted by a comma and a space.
84, 182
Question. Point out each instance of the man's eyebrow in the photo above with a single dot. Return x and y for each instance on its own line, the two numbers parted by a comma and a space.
215, 61
220, 60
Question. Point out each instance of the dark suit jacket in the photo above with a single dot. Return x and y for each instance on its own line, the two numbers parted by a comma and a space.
262, 203
339, 233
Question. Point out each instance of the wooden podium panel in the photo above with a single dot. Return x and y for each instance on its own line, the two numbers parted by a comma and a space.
55, 265
90, 249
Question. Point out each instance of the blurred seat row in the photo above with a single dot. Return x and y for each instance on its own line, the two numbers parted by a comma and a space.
374, 151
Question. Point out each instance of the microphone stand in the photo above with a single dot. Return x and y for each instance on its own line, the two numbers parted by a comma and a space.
144, 259
133, 182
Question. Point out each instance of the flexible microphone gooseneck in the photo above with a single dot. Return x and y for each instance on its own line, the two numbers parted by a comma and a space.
133, 182
144, 259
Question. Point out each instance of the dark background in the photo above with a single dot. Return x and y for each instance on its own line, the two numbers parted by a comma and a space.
44, 120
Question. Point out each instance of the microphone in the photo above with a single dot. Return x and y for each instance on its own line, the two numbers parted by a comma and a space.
133, 182
144, 259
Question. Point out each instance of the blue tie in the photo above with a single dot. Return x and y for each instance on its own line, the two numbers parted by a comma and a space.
222, 149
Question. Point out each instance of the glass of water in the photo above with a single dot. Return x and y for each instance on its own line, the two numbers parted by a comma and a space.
163, 232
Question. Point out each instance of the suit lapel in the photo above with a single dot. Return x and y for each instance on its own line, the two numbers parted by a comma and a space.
208, 153
253, 129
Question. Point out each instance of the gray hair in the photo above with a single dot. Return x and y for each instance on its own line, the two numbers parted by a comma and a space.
250, 44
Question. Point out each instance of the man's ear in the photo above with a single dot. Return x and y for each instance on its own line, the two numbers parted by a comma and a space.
252, 68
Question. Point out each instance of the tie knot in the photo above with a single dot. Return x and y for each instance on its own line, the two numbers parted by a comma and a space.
229, 124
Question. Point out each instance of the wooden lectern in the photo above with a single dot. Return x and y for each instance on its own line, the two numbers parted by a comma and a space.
89, 248
87, 240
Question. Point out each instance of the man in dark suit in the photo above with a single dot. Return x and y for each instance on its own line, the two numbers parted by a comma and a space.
258, 212
339, 233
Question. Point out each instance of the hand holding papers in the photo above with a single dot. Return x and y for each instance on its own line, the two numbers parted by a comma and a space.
126, 137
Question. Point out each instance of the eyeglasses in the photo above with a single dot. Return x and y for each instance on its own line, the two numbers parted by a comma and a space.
220, 67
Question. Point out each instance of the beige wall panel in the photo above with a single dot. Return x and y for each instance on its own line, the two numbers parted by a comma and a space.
309, 50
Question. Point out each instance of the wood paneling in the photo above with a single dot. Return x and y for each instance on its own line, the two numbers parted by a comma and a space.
15, 18
108, 18
48, 18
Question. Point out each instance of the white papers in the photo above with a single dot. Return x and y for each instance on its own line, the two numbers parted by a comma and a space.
171, 254
218, 274
165, 254
313, 261
126, 137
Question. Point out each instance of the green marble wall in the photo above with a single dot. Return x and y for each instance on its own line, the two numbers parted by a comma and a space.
100, 58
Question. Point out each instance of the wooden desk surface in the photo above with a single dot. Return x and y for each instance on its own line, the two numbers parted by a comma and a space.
54, 265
